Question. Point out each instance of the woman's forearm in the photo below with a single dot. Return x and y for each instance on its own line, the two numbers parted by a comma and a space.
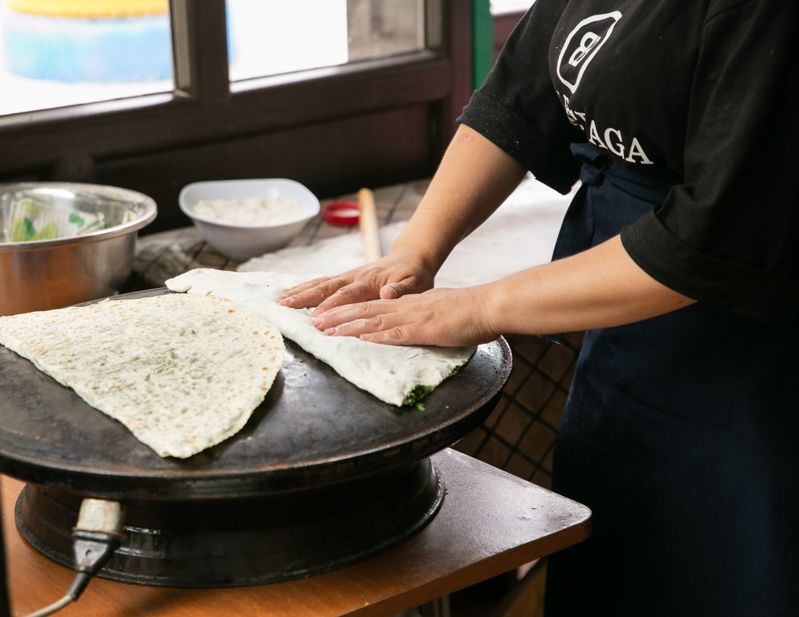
474, 178
599, 288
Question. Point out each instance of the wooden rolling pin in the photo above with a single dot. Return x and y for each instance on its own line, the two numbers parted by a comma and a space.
368, 225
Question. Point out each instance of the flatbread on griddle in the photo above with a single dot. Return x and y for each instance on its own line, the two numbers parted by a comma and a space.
183, 373
394, 374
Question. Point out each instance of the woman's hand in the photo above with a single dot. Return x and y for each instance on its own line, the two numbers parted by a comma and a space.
442, 317
598, 288
474, 178
400, 273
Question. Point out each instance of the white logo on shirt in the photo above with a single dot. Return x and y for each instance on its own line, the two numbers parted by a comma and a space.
613, 140
582, 45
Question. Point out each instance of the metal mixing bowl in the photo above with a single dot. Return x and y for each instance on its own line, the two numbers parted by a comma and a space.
38, 275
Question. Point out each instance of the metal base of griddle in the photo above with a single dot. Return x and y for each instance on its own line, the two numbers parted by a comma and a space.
246, 541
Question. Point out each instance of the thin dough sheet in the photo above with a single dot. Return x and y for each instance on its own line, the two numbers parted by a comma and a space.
387, 372
182, 373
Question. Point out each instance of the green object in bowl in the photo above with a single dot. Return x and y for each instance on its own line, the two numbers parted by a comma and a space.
31, 221
62, 243
48, 232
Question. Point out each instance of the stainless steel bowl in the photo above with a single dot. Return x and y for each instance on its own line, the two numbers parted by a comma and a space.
39, 275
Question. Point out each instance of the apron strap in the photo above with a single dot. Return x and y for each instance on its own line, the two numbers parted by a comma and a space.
577, 230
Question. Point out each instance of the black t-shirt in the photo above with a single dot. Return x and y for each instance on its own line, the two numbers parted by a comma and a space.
706, 89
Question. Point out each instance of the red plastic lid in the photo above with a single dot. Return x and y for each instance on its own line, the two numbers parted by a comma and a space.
341, 213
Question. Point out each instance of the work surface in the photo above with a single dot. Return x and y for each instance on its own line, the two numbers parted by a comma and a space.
521, 234
490, 522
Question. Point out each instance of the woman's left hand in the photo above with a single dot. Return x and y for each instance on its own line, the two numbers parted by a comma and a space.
442, 317
598, 288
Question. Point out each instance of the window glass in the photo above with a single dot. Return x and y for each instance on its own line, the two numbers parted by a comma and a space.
499, 7
379, 28
270, 37
55, 53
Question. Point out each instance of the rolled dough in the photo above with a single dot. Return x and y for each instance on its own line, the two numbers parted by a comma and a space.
389, 373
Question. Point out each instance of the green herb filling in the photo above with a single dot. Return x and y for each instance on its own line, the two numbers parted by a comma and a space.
417, 394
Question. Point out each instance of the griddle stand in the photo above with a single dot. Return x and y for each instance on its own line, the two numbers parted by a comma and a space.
322, 476
245, 541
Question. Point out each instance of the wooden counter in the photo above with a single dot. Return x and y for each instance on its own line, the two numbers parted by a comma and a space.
490, 522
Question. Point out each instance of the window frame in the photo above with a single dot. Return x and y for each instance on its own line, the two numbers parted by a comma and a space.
66, 143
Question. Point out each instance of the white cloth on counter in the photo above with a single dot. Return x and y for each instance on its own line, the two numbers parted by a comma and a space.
519, 235
387, 372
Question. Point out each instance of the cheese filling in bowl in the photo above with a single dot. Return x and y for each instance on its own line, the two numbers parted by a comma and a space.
247, 218
254, 211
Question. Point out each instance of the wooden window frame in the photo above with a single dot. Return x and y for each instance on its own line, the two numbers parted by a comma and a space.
67, 143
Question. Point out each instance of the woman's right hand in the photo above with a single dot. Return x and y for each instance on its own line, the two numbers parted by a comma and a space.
474, 178
402, 272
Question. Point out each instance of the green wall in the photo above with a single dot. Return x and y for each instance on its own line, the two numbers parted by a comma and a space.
482, 41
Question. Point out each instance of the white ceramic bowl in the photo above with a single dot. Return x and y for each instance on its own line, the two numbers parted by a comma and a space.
241, 242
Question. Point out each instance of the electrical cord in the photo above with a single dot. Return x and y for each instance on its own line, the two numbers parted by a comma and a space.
95, 538
55, 606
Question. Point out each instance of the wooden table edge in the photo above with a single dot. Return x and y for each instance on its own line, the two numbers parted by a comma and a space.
48, 576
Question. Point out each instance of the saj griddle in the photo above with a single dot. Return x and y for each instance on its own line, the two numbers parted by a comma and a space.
322, 476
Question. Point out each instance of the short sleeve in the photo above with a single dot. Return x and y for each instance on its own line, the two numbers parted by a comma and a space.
729, 236
518, 108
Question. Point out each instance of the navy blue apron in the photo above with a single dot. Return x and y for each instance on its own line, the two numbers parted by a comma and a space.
681, 434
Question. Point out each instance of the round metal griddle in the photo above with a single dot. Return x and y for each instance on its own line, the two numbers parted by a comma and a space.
322, 475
